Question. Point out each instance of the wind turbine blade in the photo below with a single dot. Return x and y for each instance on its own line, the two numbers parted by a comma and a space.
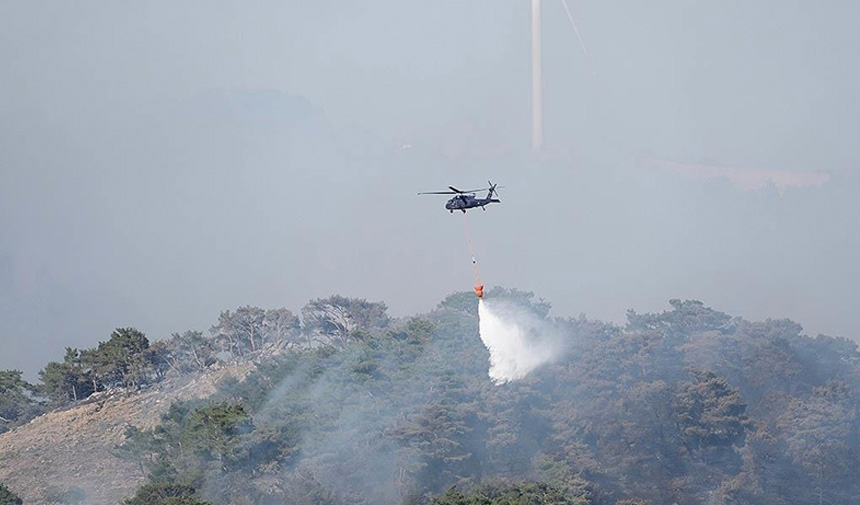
579, 38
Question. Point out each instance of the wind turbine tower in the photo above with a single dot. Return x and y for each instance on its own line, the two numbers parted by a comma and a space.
537, 85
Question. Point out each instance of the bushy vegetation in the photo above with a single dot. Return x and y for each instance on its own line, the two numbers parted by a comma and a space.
129, 360
17, 400
7, 497
689, 405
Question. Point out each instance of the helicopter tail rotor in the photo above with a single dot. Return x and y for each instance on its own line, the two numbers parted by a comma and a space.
493, 190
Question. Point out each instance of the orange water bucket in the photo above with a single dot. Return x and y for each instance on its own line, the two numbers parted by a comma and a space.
479, 290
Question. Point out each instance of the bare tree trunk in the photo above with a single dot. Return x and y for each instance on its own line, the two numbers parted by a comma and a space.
171, 365
196, 358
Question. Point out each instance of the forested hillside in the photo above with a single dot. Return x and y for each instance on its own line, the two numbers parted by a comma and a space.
349, 406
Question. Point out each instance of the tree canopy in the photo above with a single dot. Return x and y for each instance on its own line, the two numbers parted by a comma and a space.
665, 409
348, 405
17, 402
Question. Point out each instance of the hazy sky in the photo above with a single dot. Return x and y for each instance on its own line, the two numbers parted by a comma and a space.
163, 161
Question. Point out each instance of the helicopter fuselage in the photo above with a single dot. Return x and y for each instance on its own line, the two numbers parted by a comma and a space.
463, 202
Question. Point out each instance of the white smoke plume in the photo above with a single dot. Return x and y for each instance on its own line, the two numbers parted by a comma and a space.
518, 340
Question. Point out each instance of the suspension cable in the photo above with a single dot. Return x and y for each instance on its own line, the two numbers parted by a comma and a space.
479, 288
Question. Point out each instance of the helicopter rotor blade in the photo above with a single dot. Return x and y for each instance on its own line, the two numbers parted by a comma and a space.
455, 191
463, 192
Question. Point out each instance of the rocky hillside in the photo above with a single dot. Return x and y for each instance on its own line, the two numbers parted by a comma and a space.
73, 447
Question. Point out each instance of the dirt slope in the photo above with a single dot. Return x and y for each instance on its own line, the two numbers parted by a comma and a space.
73, 447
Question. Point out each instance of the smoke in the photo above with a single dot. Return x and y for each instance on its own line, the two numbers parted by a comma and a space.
345, 430
518, 340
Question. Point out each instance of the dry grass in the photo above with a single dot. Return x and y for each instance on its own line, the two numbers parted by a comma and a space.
74, 447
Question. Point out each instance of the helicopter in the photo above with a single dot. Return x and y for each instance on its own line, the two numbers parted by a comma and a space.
467, 199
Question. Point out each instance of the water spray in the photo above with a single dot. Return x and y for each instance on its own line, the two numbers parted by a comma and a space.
519, 340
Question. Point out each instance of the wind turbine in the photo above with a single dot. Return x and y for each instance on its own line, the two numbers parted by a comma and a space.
537, 79
537, 85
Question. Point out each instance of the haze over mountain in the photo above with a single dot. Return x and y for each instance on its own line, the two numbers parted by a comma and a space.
342, 404
161, 162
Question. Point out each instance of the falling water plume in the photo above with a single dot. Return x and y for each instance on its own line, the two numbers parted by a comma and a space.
518, 340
